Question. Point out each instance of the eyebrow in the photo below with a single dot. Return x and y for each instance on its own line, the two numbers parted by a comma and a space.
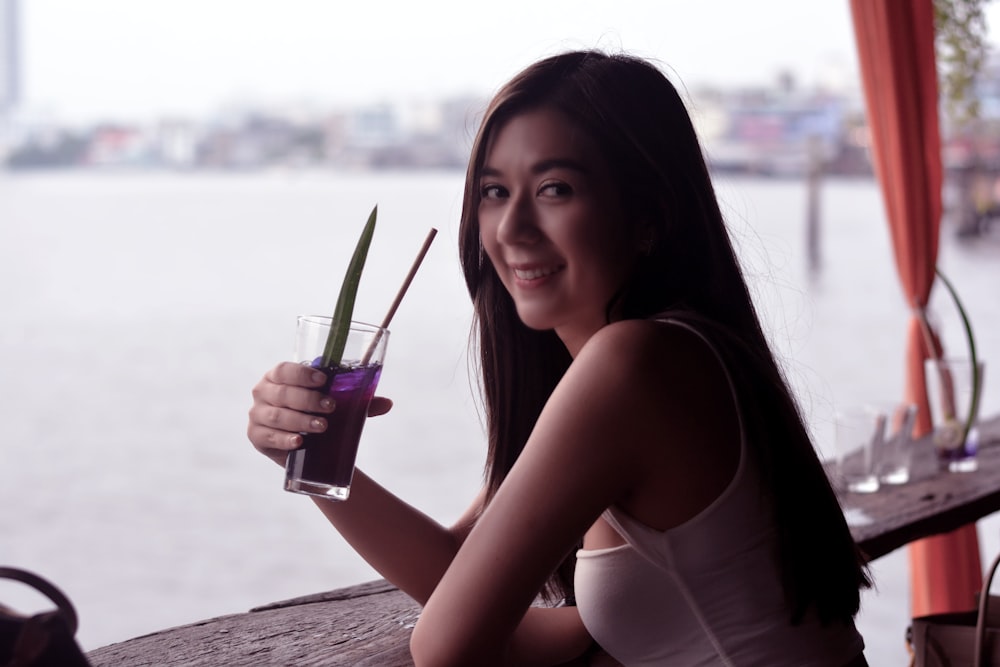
546, 165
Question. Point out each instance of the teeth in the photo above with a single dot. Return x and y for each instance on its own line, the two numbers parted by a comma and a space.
532, 274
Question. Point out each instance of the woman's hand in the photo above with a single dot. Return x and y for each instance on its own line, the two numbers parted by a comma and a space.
282, 403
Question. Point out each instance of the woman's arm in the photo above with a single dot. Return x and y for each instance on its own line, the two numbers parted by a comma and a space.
616, 429
584, 454
404, 545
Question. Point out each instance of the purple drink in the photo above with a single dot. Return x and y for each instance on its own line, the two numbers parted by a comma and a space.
953, 454
324, 465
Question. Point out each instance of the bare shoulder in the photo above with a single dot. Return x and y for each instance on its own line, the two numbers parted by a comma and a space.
648, 348
662, 373
681, 420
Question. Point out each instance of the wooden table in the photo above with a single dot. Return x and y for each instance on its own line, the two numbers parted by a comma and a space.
932, 502
370, 624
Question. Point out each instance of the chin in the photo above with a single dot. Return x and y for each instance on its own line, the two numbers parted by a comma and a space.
535, 321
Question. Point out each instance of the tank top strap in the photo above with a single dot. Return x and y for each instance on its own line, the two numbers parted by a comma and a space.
725, 369
652, 544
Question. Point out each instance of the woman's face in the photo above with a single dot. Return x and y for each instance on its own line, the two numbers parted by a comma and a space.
551, 221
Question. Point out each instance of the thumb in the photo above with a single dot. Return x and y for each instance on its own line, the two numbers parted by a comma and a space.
379, 406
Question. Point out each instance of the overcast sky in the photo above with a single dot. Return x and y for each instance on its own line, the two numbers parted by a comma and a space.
135, 58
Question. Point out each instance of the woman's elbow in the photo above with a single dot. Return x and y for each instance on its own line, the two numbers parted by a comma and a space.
430, 648
420, 651
427, 650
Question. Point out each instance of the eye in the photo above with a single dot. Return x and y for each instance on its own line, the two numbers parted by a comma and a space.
492, 191
554, 189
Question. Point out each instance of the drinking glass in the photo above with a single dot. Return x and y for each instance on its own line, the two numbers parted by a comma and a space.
859, 432
949, 393
324, 464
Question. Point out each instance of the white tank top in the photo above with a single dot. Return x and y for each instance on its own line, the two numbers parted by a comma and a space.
706, 592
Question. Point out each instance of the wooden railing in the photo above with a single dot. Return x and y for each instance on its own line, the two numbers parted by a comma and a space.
369, 624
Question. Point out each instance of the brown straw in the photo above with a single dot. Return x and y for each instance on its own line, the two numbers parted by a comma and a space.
399, 296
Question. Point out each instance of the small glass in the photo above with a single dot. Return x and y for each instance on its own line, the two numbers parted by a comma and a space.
949, 393
894, 455
859, 432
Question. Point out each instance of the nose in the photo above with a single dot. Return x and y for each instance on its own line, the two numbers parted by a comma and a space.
519, 222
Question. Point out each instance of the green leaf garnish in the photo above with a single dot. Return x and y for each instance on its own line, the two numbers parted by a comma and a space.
341, 324
973, 357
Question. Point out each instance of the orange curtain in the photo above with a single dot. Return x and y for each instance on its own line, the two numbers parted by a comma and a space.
895, 41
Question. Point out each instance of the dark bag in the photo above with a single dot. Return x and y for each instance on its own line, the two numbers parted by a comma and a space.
960, 639
41, 640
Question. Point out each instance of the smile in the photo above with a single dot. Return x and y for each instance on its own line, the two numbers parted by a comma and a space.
535, 273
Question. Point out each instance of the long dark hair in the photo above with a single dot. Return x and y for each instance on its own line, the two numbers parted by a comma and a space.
691, 272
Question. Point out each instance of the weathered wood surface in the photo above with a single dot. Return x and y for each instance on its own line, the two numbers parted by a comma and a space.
366, 625
932, 502
369, 624
362, 625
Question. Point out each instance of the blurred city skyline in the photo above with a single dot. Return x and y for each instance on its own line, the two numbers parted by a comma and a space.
258, 83
122, 60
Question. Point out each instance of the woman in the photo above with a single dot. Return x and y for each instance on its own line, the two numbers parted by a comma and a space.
645, 453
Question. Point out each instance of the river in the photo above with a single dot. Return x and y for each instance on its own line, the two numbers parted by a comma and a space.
139, 309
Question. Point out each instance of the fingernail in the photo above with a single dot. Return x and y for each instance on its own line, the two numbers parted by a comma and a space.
326, 403
318, 377
318, 424
295, 440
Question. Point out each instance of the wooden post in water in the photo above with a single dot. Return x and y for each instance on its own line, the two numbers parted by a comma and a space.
814, 175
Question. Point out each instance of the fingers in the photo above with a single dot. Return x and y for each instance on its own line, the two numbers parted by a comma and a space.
281, 401
276, 431
286, 420
264, 438
286, 405
272, 392
296, 374
379, 406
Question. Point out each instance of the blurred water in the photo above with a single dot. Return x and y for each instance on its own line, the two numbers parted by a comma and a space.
139, 309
